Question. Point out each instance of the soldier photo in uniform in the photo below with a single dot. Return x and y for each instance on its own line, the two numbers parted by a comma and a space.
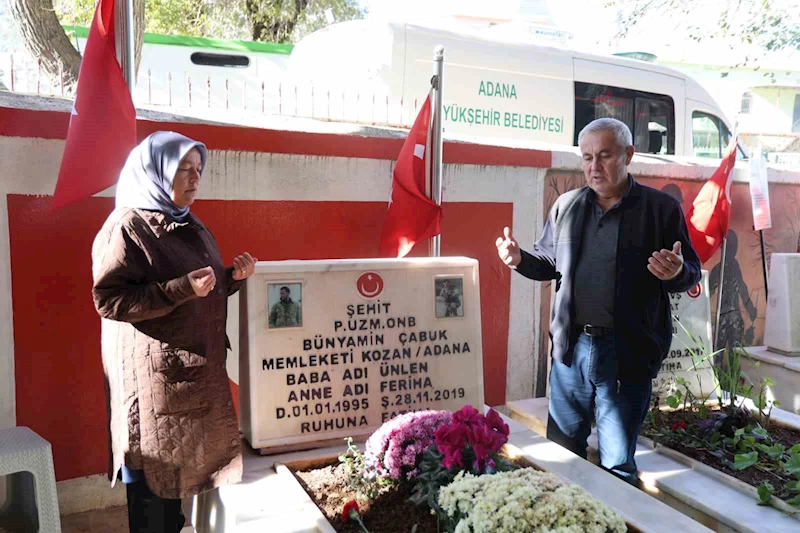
285, 305
449, 297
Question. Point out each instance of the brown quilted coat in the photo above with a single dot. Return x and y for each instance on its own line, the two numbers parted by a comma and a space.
164, 353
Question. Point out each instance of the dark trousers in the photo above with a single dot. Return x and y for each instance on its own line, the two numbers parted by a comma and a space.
588, 385
147, 513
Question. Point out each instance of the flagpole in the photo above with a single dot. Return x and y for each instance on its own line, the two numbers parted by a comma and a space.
436, 152
764, 262
126, 43
718, 357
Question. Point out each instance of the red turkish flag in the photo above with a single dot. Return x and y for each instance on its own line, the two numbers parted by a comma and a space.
412, 216
102, 128
710, 213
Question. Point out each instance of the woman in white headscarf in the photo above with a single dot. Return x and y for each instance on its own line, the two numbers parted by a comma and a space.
161, 289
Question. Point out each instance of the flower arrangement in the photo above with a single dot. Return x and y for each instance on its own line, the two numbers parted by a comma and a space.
395, 449
474, 435
451, 464
470, 442
523, 501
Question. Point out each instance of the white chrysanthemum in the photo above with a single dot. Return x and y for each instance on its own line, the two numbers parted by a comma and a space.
463, 527
525, 501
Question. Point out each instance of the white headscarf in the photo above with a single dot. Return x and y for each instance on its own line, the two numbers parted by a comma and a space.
146, 179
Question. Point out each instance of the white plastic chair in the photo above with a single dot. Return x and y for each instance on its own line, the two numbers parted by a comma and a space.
22, 450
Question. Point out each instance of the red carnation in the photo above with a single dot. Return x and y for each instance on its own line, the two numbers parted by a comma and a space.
350, 511
680, 424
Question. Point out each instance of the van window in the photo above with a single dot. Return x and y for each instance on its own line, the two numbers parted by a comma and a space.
650, 117
710, 137
220, 60
706, 135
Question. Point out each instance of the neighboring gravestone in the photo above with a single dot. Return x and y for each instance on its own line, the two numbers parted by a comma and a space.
332, 349
782, 330
692, 310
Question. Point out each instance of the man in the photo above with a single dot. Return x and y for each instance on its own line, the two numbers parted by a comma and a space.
286, 312
451, 300
615, 249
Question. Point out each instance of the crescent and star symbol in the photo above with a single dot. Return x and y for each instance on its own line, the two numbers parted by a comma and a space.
369, 285
695, 291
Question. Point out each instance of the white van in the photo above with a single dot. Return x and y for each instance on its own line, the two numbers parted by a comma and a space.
180, 71
522, 91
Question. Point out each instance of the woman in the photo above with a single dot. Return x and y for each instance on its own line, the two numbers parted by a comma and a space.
161, 289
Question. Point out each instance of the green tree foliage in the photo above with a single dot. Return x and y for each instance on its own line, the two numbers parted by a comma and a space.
259, 20
767, 25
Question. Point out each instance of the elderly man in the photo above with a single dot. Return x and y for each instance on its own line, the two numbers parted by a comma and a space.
615, 249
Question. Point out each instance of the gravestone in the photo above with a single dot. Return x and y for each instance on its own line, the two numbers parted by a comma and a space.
332, 349
691, 314
782, 330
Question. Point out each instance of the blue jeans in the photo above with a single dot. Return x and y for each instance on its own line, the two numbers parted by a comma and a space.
588, 384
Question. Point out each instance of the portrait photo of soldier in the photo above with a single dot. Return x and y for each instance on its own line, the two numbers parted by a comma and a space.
449, 297
285, 305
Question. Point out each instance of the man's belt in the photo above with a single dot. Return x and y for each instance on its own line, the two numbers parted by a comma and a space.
595, 331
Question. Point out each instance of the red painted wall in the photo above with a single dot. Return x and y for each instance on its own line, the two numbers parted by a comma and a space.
53, 125
59, 375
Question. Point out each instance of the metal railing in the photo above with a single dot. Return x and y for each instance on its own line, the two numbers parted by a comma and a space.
247, 95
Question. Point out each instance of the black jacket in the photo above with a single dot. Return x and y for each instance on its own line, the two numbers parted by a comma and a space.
650, 220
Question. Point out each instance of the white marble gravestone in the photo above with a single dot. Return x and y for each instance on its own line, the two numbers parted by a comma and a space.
360, 342
782, 330
692, 310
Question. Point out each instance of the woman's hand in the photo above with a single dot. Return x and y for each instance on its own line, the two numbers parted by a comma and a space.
203, 281
243, 266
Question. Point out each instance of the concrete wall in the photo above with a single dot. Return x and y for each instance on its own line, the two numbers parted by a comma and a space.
280, 194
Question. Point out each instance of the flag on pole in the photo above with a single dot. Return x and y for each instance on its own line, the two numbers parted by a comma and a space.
710, 213
102, 127
412, 216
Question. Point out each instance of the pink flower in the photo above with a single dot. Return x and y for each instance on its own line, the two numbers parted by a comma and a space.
450, 440
451, 436
453, 458
467, 415
395, 449
482, 440
496, 423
